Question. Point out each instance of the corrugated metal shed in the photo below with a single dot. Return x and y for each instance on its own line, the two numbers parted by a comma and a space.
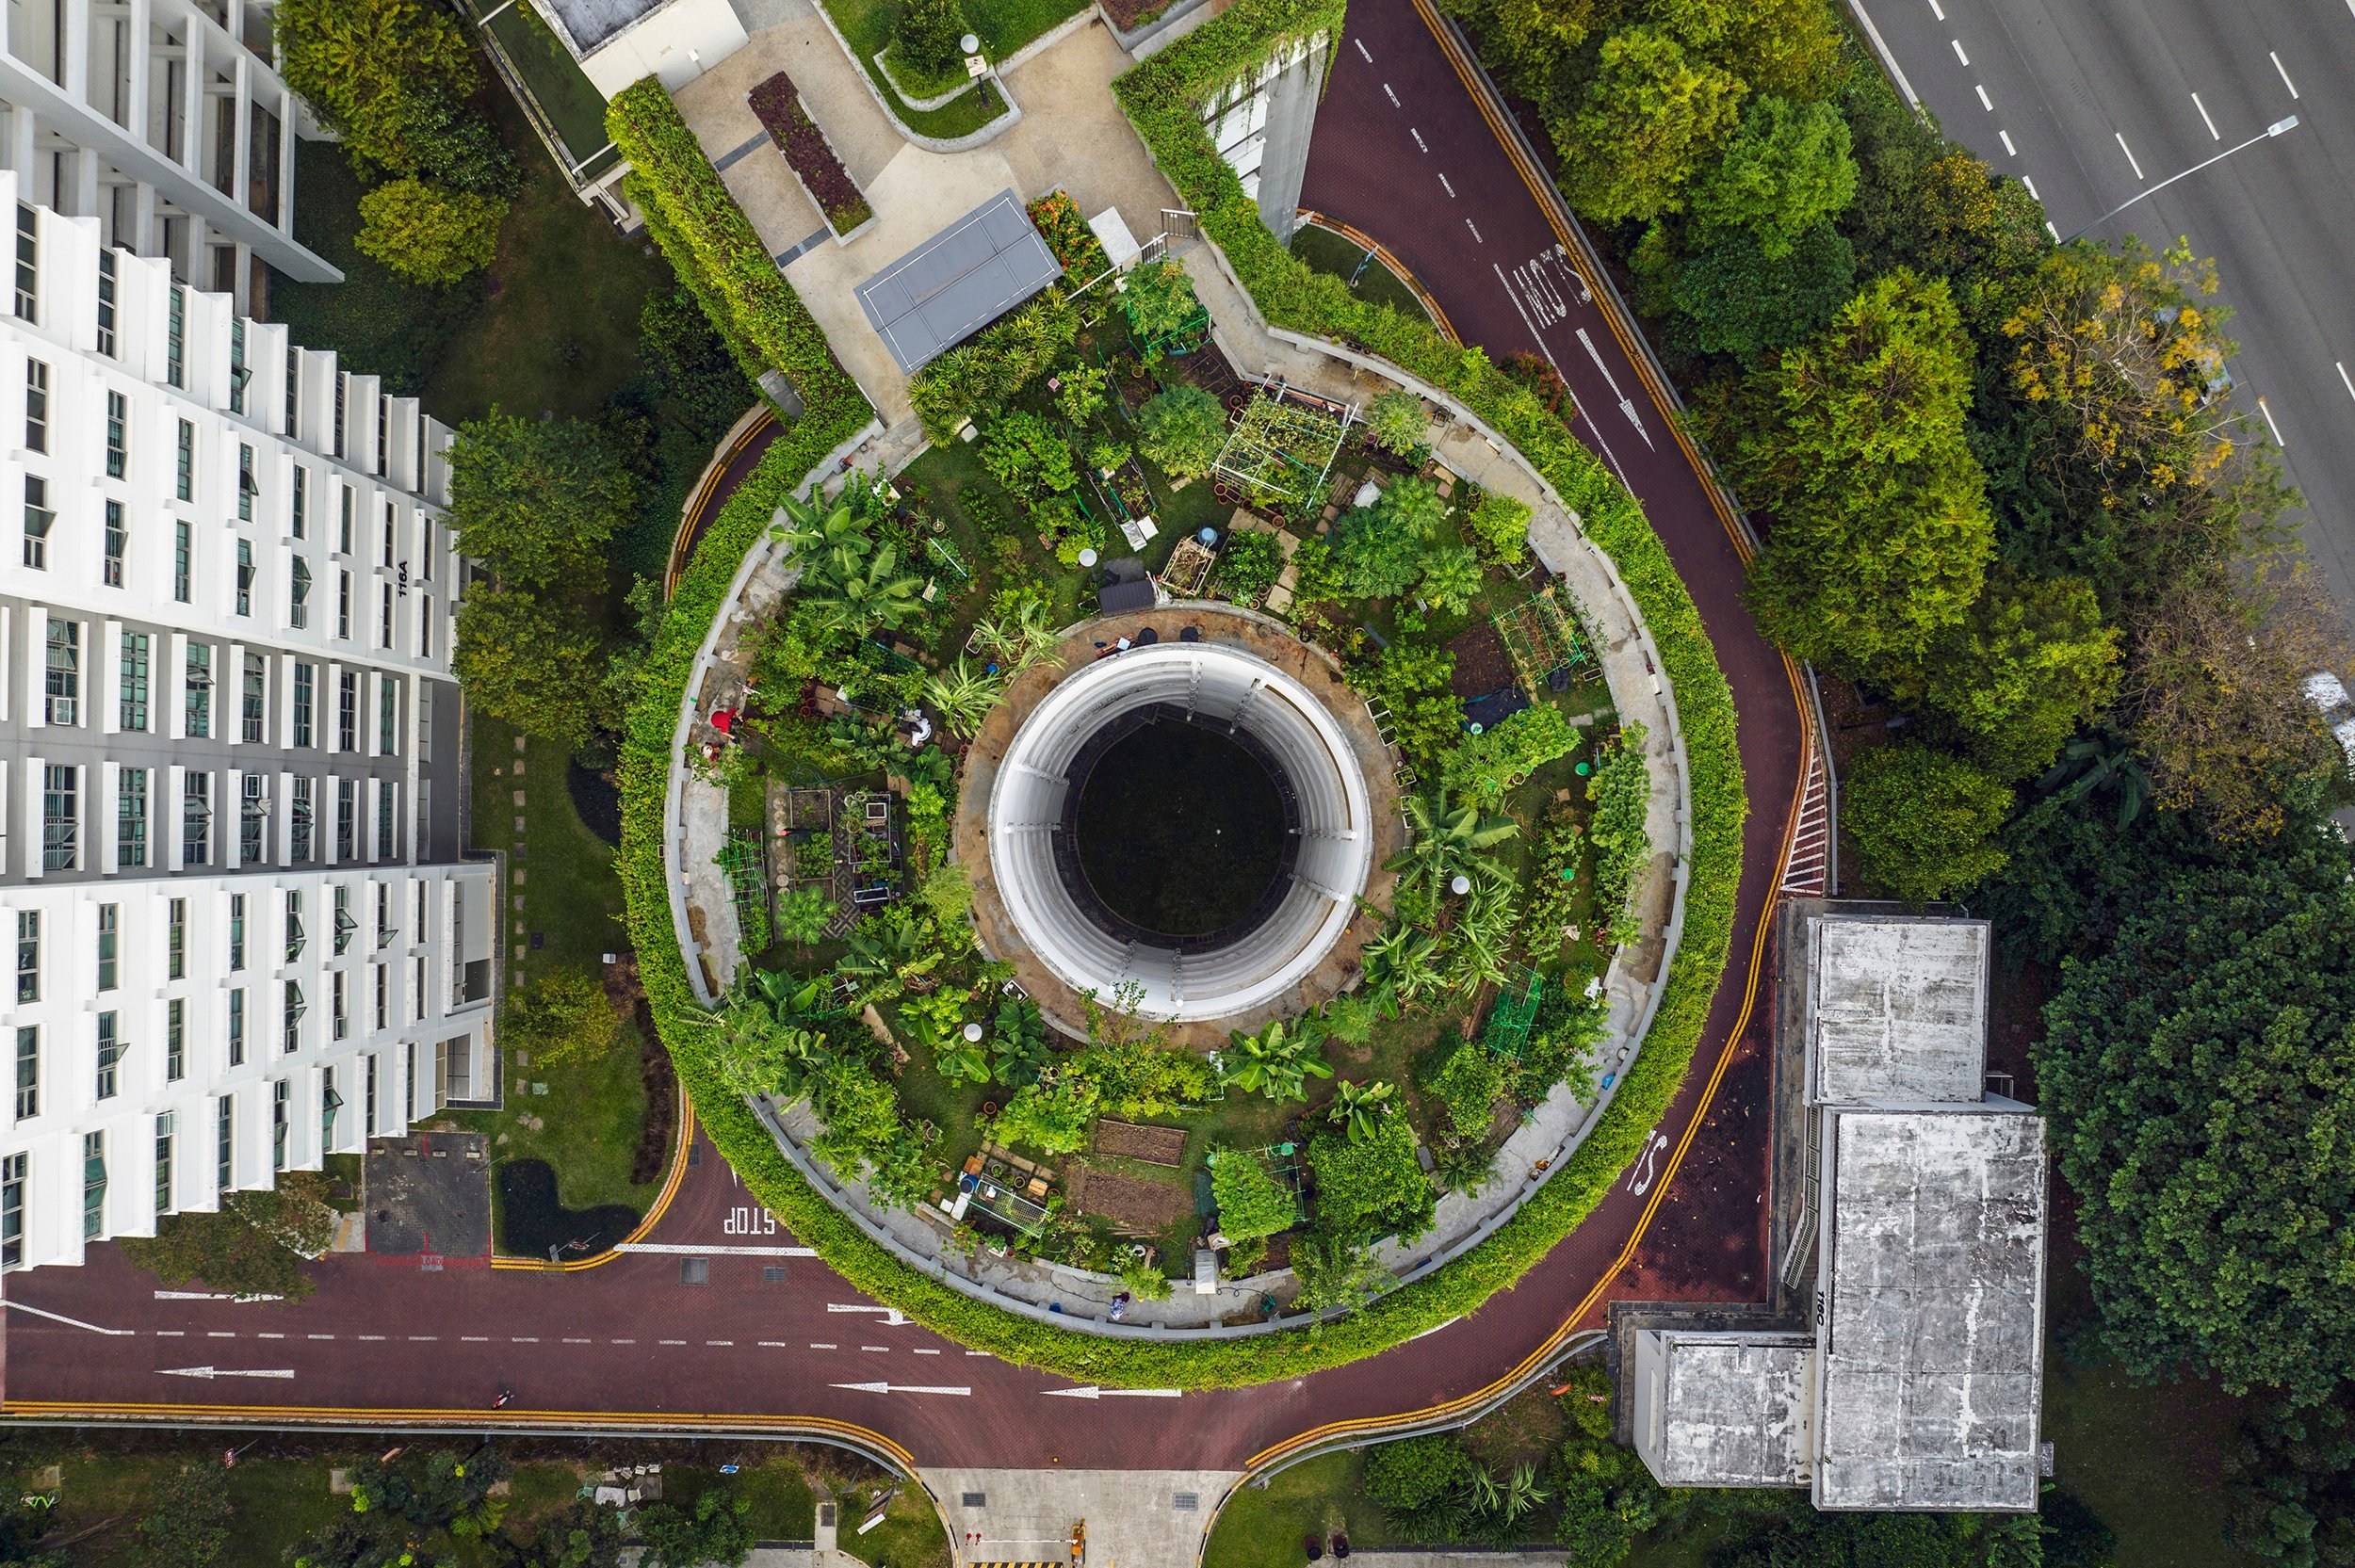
962, 279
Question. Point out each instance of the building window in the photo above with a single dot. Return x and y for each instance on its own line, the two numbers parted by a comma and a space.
254, 816
330, 1103
36, 406
27, 1073
183, 548
118, 542
347, 711
416, 989
295, 1008
39, 519
12, 1170
63, 691
384, 617
60, 817
281, 1097
246, 489
225, 1141
245, 577
238, 373
187, 462
298, 595
109, 939
299, 821
236, 932
343, 531
175, 1039
343, 604
294, 392
339, 992
387, 716
131, 818
175, 345
109, 1057
197, 701
384, 820
391, 535
255, 697
368, 1113
163, 1126
28, 955
131, 689
346, 828
424, 628
305, 678
301, 502
383, 433
93, 1186
106, 303
341, 378
27, 263
236, 1027
385, 929
176, 942
344, 924
117, 435
383, 995
196, 820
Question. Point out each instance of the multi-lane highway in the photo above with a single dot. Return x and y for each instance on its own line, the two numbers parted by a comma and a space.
2093, 101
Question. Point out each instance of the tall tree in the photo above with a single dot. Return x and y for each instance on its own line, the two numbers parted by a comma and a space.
535, 501
1923, 822
1652, 118
1856, 446
2030, 662
1785, 170
522, 658
2200, 1078
255, 1245
358, 63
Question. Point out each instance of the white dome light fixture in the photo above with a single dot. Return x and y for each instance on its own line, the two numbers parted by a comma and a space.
1256, 961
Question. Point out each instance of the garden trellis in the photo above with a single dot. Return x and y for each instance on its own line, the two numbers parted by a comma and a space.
1284, 443
1543, 642
1507, 1032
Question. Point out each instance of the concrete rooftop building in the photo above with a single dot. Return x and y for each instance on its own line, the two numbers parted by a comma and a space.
620, 42
1913, 1377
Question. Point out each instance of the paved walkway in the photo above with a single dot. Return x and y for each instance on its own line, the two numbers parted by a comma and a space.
1133, 1518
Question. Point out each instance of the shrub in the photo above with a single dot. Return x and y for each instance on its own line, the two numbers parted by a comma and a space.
1370, 1185
985, 374
1183, 428
562, 1014
1621, 793
1499, 526
1024, 454
1413, 506
1469, 1081
1080, 398
1415, 1472
1251, 1204
778, 104
1484, 768
1586, 1400
927, 40
803, 914
1451, 578
1067, 234
1156, 296
1922, 821
1250, 563
430, 233
1378, 559
1395, 422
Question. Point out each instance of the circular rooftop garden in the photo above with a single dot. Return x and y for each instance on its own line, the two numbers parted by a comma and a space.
1167, 954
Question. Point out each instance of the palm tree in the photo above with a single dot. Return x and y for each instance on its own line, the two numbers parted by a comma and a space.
1361, 1106
758, 1055
871, 593
1278, 1061
1402, 964
1018, 644
963, 696
1446, 842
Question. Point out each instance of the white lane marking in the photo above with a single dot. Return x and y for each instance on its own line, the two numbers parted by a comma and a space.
269, 1336
183, 1334
423, 1338
210, 1296
724, 1344
776, 1345
1420, 146
670, 1341
1647, 1169
1391, 96
1627, 404
1475, 229
330, 1336
985, 1352
523, 1339
1369, 58
376, 1336
2337, 365
899, 1388
823, 1345
1940, 12
2049, 230
922, 1353
1449, 188
466, 1339
1958, 54
2130, 155
580, 1342
1985, 102
1089, 1391
2213, 134
682, 1249
621, 1342
2284, 70
210, 1372
2271, 426
891, 1316
222, 1333
2030, 182
2007, 146
880, 1349
61, 1317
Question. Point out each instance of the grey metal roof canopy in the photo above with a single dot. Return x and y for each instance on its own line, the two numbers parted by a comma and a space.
962, 279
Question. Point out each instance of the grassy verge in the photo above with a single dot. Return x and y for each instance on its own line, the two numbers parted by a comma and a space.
1003, 26
1366, 276
1262, 1527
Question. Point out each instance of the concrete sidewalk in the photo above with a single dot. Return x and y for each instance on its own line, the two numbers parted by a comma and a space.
1133, 1518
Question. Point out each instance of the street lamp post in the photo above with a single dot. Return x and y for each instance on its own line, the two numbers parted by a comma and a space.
2271, 130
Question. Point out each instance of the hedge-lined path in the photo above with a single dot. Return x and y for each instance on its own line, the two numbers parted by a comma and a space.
629, 1341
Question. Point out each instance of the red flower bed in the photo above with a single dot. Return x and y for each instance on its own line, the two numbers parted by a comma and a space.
1068, 235
779, 105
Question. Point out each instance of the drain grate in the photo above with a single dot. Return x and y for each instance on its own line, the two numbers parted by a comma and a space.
695, 1270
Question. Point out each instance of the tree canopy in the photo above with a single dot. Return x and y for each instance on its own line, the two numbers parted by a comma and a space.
1652, 118
1784, 171
1923, 821
536, 501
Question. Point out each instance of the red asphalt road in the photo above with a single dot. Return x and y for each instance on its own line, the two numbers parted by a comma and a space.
384, 1340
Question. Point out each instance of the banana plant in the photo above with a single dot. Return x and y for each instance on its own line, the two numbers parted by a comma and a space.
1019, 1053
1278, 1060
1359, 1108
1446, 842
873, 592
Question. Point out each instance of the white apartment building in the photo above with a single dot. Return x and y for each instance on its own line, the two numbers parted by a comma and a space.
165, 119
242, 932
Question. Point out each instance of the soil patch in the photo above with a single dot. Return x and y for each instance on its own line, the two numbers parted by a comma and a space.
533, 1219
1482, 665
1153, 1145
1135, 1206
598, 800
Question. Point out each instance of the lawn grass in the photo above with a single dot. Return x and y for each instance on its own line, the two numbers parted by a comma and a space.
1262, 1527
866, 25
587, 1125
1368, 276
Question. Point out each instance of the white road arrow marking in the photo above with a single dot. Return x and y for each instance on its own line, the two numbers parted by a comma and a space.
210, 1296
1627, 405
209, 1372
897, 1388
1089, 1391
892, 1319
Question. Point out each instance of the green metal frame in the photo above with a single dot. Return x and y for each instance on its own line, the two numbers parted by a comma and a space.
1507, 1032
746, 862
1542, 639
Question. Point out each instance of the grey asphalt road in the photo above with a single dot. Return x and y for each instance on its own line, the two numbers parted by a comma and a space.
2092, 101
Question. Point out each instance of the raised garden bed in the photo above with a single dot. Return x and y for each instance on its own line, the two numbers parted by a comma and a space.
810, 155
1153, 1145
1134, 1204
